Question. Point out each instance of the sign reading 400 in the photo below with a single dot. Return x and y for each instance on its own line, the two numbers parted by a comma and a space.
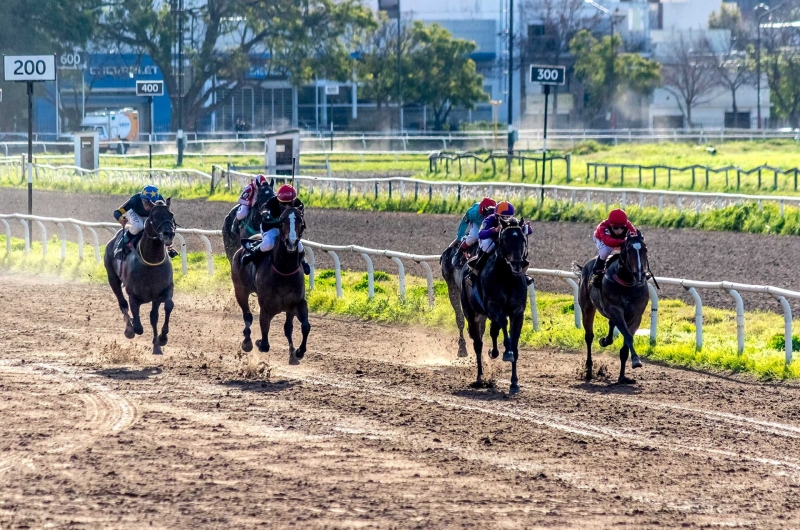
29, 67
548, 75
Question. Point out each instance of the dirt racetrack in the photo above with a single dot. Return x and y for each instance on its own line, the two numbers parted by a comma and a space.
377, 428
694, 254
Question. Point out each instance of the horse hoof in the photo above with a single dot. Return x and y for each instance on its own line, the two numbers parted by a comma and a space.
493, 354
162, 340
294, 361
605, 343
300, 353
635, 362
247, 346
626, 381
508, 356
157, 350
262, 347
129, 334
138, 330
462, 353
513, 389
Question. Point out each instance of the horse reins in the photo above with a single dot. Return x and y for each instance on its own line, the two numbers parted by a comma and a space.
139, 244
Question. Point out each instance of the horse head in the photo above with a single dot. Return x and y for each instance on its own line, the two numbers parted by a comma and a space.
161, 223
512, 245
292, 227
633, 256
264, 194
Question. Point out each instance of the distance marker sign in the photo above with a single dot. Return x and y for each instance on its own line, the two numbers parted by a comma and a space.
548, 75
149, 88
29, 67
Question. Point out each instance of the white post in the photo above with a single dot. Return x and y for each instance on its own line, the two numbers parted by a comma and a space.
63, 238
653, 313
184, 258
44, 237
338, 270
401, 273
739, 319
429, 275
311, 264
27, 236
534, 308
576, 304
370, 275
8, 236
80, 240
209, 254
787, 328
96, 243
698, 317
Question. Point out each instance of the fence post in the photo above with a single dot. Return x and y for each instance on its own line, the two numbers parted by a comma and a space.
209, 254
95, 243
8, 236
376, 191
698, 317
653, 313
370, 276
576, 304
787, 328
640, 175
669, 178
311, 264
390, 190
337, 268
739, 319
416, 191
759, 178
622, 176
605, 179
775, 180
429, 276
401, 273
534, 308
693, 179
24, 223
795, 179
184, 258
738, 178
459, 194
43, 232
568, 159
654, 176
706, 177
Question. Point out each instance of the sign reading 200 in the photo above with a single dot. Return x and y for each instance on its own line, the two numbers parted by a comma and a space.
29, 67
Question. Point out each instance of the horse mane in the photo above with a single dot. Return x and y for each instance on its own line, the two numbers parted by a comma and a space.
287, 211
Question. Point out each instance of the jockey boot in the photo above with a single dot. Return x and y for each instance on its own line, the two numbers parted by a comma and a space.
481, 260
247, 256
597, 272
304, 264
122, 244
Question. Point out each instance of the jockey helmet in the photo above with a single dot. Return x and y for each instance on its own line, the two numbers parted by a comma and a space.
150, 193
260, 180
286, 193
504, 209
618, 217
485, 204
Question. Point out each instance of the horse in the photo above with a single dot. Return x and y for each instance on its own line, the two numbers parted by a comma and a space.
500, 293
452, 276
249, 226
146, 273
621, 298
280, 285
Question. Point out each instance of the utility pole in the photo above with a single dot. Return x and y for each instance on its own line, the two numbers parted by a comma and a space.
180, 138
510, 78
399, 70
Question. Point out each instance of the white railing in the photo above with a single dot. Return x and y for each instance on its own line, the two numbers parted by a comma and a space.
691, 286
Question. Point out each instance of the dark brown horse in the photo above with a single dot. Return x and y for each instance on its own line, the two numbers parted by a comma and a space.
499, 293
146, 273
452, 277
280, 285
233, 232
622, 299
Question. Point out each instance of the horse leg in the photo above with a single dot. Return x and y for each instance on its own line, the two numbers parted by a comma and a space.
455, 300
619, 322
608, 340
588, 311
288, 327
516, 330
494, 331
116, 287
264, 320
154, 323
475, 327
243, 299
305, 327
168, 306
137, 323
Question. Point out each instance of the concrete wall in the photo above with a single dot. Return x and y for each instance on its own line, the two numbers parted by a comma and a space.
688, 14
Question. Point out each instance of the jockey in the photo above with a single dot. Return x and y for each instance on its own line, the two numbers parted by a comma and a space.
248, 197
270, 225
608, 238
470, 225
132, 216
490, 230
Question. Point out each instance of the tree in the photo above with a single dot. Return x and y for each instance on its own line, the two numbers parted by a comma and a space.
548, 42
689, 75
730, 69
780, 55
440, 72
730, 17
298, 39
377, 65
607, 74
40, 27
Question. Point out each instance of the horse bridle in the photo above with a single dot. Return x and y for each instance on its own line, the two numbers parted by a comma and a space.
157, 228
640, 277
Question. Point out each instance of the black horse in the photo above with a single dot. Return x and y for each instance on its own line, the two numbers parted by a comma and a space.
452, 276
280, 284
233, 233
622, 299
146, 273
500, 293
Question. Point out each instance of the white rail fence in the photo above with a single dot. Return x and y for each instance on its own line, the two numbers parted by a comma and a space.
367, 254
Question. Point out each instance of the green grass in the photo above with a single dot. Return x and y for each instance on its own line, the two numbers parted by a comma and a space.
762, 356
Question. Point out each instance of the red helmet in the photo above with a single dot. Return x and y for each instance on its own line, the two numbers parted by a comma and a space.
485, 204
618, 217
260, 180
287, 193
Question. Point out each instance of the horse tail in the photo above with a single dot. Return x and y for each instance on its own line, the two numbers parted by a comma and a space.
577, 269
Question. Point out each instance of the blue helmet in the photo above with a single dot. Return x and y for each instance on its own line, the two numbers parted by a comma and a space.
150, 193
